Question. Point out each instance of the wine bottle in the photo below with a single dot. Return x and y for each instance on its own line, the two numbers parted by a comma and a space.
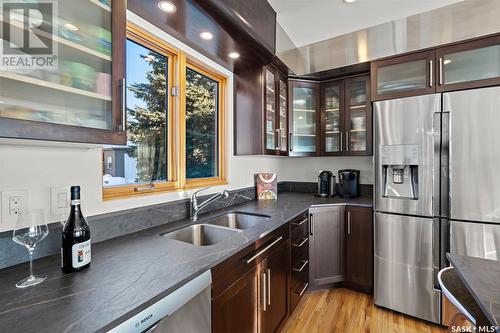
75, 249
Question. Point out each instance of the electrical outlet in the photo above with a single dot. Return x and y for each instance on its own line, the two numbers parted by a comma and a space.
14, 203
59, 200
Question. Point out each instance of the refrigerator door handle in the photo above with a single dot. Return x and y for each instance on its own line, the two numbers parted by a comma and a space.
436, 253
445, 164
436, 124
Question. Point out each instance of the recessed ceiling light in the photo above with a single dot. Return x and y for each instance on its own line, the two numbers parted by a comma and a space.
234, 55
348, 1
167, 6
71, 27
206, 35
447, 61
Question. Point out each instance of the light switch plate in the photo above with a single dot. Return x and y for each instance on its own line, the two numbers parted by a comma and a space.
59, 200
13, 204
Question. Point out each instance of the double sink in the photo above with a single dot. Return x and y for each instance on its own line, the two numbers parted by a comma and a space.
217, 229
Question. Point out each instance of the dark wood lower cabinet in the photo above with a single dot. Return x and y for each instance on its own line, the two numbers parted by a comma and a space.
359, 249
276, 270
234, 310
250, 290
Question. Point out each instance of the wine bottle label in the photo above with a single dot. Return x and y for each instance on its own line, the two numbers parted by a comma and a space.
80, 254
75, 202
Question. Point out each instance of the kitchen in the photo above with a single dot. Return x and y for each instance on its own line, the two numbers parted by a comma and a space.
253, 166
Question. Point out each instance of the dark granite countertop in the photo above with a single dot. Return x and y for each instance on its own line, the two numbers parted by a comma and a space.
481, 277
131, 272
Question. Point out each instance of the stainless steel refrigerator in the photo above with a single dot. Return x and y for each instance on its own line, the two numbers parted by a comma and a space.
437, 188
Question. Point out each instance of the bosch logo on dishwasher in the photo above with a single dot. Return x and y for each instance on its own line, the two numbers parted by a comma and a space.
143, 320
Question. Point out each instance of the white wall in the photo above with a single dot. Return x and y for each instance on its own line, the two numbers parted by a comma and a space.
307, 169
37, 168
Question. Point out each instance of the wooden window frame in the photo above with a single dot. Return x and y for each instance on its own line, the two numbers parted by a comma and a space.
221, 178
178, 62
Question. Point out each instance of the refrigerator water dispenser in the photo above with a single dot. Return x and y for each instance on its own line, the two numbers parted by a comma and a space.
400, 171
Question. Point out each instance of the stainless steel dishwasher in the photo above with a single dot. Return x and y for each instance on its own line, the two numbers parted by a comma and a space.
187, 309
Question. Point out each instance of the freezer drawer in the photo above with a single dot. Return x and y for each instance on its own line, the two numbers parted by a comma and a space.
474, 153
406, 142
475, 239
404, 266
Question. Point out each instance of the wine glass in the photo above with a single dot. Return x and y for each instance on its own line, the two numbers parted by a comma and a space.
31, 228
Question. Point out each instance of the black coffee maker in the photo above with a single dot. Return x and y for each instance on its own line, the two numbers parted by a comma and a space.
326, 184
348, 183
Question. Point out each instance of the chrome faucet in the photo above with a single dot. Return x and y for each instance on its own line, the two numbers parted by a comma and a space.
195, 208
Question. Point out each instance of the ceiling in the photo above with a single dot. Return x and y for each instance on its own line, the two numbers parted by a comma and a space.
310, 21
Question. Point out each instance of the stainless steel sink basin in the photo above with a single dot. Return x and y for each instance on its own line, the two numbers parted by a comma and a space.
201, 234
238, 220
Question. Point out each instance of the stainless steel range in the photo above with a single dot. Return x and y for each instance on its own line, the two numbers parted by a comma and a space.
436, 162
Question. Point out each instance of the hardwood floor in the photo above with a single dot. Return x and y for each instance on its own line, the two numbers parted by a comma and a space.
345, 311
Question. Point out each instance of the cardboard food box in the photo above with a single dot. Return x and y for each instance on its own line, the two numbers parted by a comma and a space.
267, 186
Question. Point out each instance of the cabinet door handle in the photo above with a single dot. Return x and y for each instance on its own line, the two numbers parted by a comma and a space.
440, 71
301, 243
263, 291
268, 275
311, 225
300, 223
264, 249
291, 141
431, 70
347, 141
277, 144
300, 293
341, 143
348, 223
122, 84
301, 268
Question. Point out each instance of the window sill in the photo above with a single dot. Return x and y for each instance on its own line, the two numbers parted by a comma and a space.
132, 191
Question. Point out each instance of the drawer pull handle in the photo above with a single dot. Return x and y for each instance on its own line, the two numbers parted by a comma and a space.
301, 243
300, 223
303, 289
304, 264
264, 250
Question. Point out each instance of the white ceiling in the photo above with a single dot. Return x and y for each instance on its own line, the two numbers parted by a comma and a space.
310, 21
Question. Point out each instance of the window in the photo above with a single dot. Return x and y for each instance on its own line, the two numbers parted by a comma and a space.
173, 142
201, 125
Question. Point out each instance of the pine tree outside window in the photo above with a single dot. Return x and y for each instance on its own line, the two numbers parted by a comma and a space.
174, 140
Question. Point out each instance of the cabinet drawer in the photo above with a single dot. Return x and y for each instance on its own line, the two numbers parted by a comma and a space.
300, 227
300, 252
229, 271
300, 273
296, 295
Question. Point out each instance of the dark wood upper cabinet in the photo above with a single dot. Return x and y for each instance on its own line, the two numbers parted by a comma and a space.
359, 248
82, 100
408, 75
346, 117
468, 65
275, 112
358, 116
304, 113
332, 118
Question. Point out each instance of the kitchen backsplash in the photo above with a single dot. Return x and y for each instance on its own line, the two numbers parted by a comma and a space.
111, 225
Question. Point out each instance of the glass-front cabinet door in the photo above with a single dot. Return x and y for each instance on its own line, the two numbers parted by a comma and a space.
270, 110
332, 99
358, 116
68, 89
409, 75
304, 111
283, 117
275, 112
469, 65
